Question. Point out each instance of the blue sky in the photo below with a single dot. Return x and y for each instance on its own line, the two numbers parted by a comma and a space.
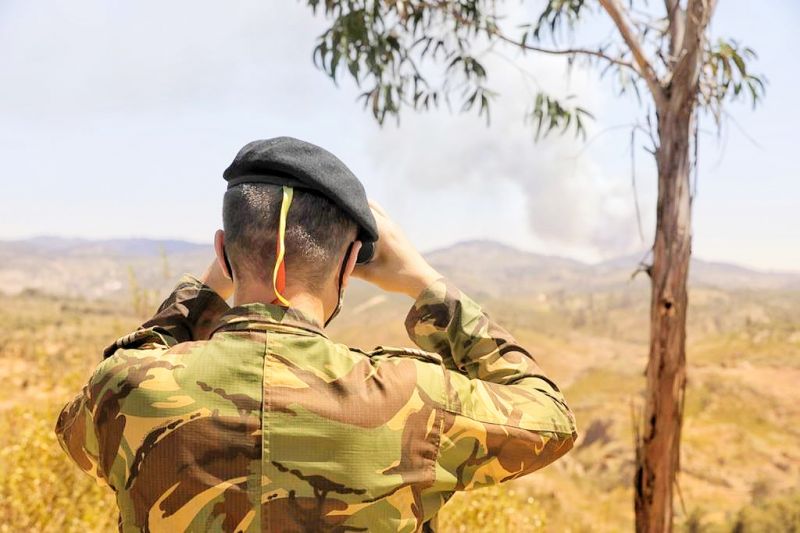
118, 118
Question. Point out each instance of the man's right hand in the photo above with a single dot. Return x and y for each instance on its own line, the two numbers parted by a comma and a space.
397, 265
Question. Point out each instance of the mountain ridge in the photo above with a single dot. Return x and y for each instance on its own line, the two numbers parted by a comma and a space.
106, 267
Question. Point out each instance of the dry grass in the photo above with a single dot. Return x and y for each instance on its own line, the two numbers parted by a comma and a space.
740, 454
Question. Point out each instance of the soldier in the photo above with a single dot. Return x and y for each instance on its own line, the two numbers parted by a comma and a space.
212, 418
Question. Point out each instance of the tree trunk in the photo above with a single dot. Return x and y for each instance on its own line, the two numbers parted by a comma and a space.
657, 454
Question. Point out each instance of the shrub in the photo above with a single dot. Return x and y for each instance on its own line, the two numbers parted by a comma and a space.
40, 489
780, 514
495, 509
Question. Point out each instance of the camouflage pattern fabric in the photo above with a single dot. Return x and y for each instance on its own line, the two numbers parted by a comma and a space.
250, 419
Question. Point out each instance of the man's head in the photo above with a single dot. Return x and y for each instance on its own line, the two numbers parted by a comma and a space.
317, 235
328, 212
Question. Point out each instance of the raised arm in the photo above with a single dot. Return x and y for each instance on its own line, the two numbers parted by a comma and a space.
503, 417
188, 313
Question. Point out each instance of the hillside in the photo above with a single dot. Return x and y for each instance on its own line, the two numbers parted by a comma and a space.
95, 269
586, 324
108, 268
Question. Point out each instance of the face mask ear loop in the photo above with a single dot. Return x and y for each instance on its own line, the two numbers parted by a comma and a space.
279, 272
229, 273
341, 279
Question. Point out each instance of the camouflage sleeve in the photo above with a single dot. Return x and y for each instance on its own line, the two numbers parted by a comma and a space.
188, 314
503, 417
76, 434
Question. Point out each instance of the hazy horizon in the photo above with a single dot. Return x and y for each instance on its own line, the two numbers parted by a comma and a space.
209, 243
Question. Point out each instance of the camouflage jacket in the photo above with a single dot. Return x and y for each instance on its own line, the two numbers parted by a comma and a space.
210, 418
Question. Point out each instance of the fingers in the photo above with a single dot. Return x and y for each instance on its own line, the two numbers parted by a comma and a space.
377, 208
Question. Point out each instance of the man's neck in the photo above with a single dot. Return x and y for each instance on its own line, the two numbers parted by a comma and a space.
308, 304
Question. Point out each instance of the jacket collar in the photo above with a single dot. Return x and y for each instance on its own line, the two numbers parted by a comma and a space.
261, 316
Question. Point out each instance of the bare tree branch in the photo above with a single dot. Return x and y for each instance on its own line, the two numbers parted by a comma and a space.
493, 30
676, 19
633, 184
686, 73
566, 51
615, 11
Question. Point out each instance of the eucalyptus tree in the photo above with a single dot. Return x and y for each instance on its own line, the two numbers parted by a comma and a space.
418, 54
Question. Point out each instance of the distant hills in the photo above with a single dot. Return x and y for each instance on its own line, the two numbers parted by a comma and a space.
96, 268
489, 264
55, 246
109, 268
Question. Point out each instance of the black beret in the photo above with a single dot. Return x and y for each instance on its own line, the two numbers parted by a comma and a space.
296, 163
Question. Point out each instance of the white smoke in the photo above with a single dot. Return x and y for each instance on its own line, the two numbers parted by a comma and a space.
571, 201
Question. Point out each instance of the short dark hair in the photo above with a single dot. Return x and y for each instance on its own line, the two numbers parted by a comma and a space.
316, 232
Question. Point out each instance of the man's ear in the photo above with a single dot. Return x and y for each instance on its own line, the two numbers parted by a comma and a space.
219, 250
351, 262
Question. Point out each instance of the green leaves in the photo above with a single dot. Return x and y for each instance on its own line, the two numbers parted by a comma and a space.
726, 75
384, 46
556, 14
549, 115
419, 54
481, 97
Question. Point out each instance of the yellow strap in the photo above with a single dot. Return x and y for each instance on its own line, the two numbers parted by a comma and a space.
288, 194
